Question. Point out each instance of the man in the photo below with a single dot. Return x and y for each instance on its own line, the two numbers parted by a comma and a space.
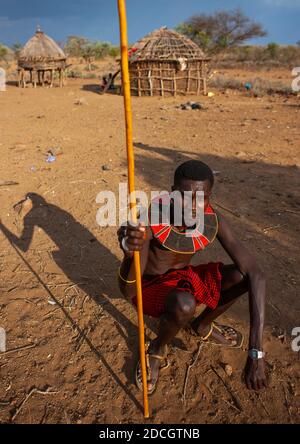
172, 288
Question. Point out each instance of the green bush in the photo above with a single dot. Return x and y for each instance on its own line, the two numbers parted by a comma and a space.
88, 49
290, 55
114, 51
265, 56
273, 50
3, 51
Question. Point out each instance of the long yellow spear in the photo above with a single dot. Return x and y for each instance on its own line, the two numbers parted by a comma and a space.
130, 162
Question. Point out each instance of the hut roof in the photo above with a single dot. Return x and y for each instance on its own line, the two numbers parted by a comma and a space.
41, 48
167, 44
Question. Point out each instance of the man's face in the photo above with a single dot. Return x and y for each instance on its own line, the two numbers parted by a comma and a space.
189, 202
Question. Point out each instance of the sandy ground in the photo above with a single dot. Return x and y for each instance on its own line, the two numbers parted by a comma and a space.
272, 74
59, 302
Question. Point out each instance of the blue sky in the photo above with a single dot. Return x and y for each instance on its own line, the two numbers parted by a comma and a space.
98, 19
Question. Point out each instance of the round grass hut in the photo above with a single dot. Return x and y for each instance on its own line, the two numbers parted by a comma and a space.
40, 56
167, 63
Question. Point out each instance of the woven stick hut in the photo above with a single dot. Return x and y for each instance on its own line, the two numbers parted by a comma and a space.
39, 56
167, 63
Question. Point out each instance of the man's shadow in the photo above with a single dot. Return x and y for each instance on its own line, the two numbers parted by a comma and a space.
83, 259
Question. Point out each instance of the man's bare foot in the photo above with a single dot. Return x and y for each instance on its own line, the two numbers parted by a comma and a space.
218, 334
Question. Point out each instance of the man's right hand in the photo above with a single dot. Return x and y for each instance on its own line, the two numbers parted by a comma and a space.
134, 236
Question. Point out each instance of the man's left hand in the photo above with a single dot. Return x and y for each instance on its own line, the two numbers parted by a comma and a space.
256, 374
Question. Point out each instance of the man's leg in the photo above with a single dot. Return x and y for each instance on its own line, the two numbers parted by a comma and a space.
180, 309
234, 285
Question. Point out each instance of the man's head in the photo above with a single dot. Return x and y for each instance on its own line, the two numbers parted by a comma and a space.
194, 176
36, 199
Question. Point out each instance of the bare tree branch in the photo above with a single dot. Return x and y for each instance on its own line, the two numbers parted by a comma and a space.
222, 30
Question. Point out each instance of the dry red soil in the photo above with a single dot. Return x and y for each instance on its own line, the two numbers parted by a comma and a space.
59, 300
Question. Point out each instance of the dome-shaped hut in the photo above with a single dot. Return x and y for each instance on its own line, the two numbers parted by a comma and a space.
167, 63
41, 55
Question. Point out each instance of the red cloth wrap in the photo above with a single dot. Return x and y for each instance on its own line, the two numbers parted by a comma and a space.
203, 281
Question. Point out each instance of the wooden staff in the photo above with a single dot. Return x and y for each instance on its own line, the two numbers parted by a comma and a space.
130, 163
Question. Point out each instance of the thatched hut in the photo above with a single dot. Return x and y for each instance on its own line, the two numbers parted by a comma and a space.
41, 55
167, 63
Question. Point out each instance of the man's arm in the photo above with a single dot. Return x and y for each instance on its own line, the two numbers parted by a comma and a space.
137, 239
22, 242
245, 262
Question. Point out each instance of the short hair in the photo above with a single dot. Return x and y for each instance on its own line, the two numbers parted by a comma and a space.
194, 170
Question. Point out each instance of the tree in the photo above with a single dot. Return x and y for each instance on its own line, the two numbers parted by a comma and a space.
87, 49
88, 53
220, 31
298, 43
74, 45
94, 50
3, 51
16, 48
100, 49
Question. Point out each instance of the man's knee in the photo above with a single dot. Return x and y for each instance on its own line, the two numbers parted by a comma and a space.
233, 277
181, 306
237, 277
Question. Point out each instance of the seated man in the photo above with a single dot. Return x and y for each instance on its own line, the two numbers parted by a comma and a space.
172, 288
